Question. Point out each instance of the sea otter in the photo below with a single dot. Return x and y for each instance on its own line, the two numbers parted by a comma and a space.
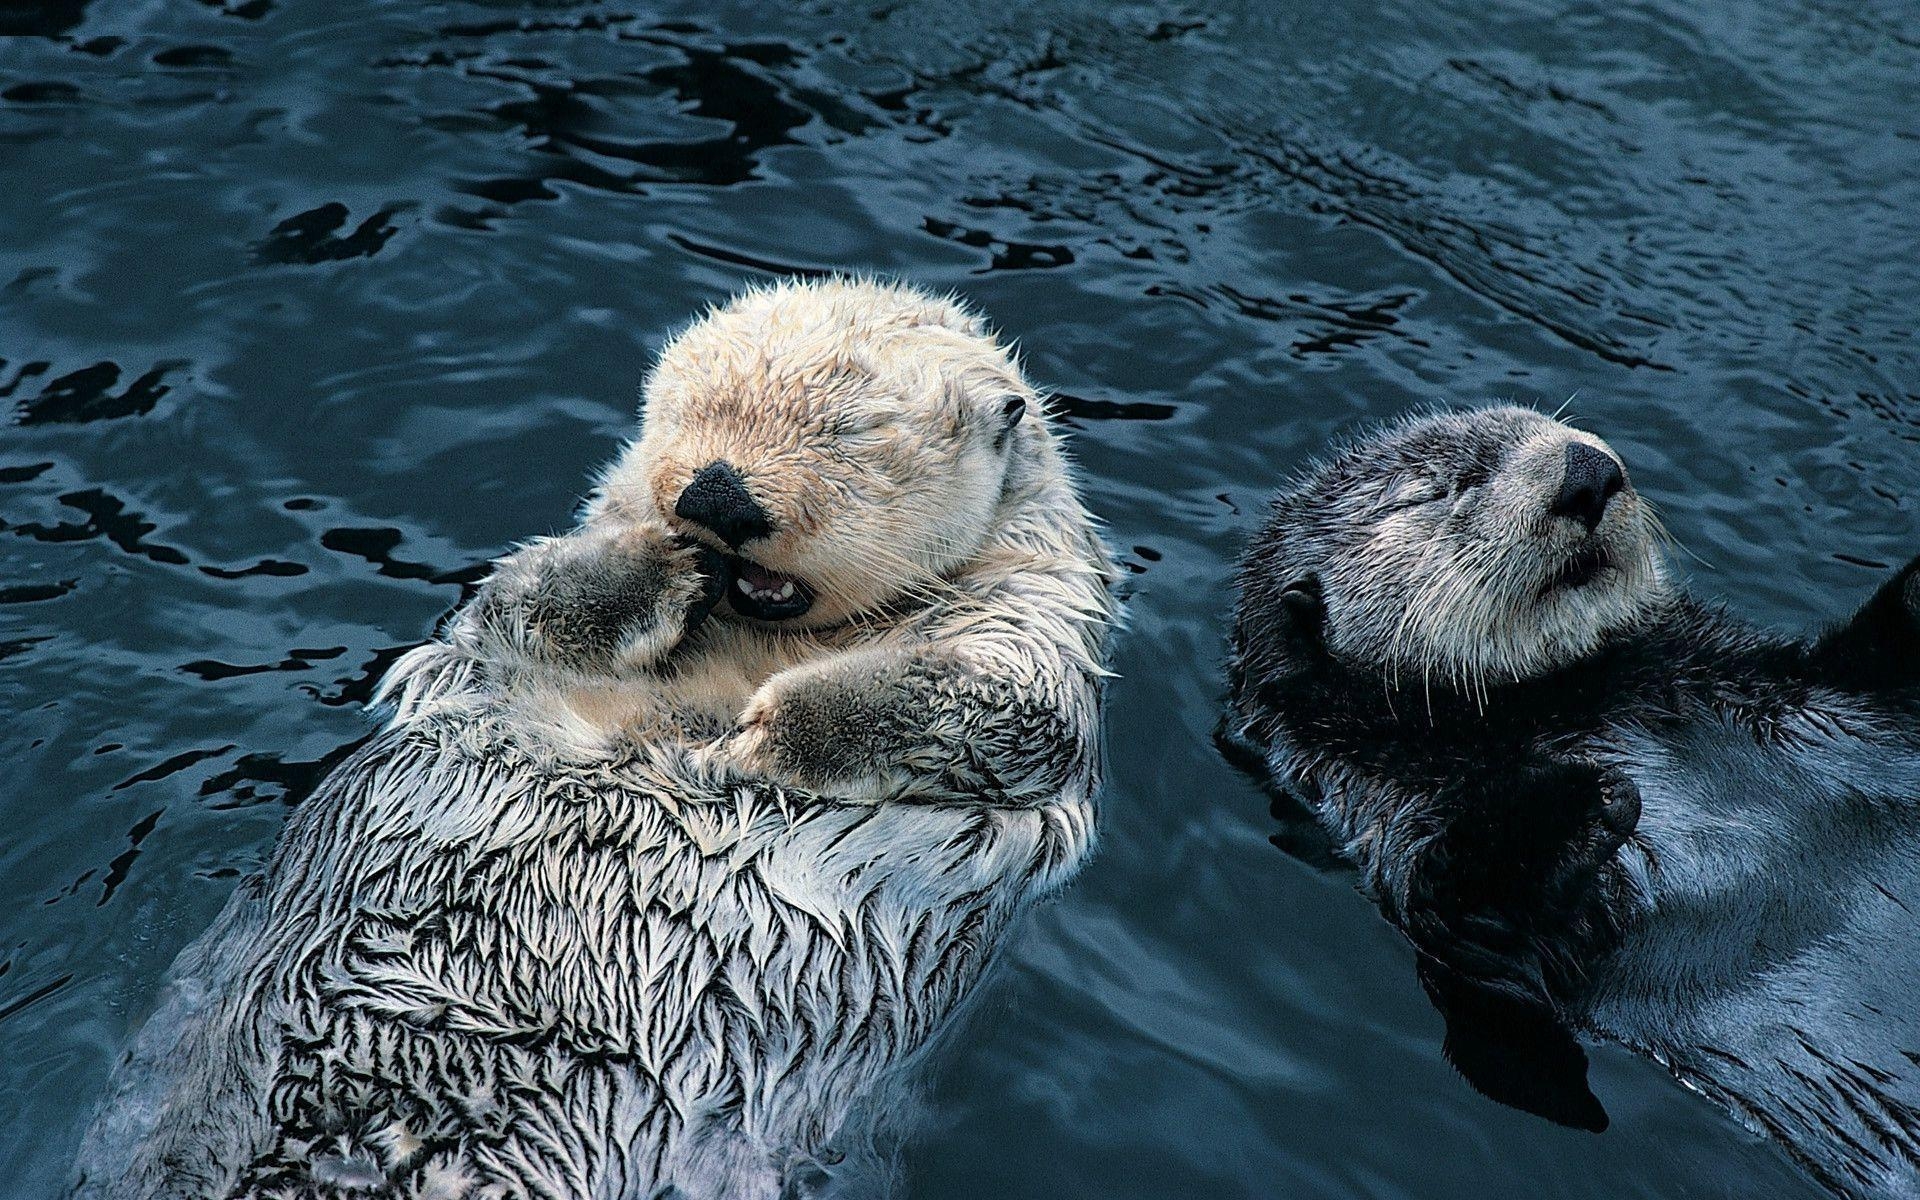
1594, 804
692, 826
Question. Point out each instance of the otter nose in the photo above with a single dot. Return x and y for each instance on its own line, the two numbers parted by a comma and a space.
1592, 479
717, 498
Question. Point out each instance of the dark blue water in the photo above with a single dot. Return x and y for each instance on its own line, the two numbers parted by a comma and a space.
308, 307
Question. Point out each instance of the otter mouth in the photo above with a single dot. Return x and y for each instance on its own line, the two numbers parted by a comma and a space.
1585, 566
765, 595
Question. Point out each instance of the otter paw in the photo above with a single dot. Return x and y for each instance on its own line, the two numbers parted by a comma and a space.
1612, 803
1619, 808
840, 727
601, 599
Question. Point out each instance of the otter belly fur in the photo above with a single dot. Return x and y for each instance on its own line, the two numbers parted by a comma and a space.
639, 893
1776, 966
1649, 823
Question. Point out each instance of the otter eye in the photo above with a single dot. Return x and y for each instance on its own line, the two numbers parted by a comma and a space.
863, 427
1411, 493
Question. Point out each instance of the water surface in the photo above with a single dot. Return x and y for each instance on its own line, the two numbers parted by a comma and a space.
309, 307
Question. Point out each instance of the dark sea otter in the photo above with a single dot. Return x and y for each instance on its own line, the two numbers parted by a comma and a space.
1596, 805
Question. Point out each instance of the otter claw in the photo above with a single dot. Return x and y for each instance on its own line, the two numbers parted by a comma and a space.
715, 576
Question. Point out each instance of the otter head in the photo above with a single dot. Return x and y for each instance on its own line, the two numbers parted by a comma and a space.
1467, 548
843, 443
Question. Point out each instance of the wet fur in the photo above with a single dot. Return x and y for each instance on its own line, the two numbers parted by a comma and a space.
630, 898
1694, 838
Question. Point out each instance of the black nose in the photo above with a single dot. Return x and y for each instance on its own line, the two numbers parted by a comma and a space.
1593, 478
718, 499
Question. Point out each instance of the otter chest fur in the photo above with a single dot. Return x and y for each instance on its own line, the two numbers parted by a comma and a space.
497, 966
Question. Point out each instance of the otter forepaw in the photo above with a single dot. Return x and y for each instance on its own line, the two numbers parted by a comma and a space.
840, 727
1609, 812
1619, 809
600, 599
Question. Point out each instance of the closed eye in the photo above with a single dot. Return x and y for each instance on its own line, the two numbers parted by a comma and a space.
1411, 495
864, 430
1471, 478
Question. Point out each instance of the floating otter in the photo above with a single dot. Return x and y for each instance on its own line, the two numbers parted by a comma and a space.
694, 824
1592, 803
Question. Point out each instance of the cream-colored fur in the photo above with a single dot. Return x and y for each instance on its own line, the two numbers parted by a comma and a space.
864, 418
624, 901
870, 421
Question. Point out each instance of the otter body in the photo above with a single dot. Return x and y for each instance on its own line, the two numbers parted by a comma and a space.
653, 882
1633, 817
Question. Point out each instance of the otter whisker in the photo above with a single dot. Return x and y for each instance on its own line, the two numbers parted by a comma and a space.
1659, 526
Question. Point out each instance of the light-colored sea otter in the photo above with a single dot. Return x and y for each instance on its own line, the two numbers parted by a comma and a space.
1594, 804
695, 823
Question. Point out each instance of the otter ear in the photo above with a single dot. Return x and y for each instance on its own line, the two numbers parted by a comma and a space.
1301, 620
1011, 410
1304, 603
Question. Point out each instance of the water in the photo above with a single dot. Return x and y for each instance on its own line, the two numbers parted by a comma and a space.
308, 307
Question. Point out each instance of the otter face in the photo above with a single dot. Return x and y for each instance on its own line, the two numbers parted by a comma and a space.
845, 445
1468, 547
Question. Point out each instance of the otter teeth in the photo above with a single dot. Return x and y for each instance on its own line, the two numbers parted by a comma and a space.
783, 592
